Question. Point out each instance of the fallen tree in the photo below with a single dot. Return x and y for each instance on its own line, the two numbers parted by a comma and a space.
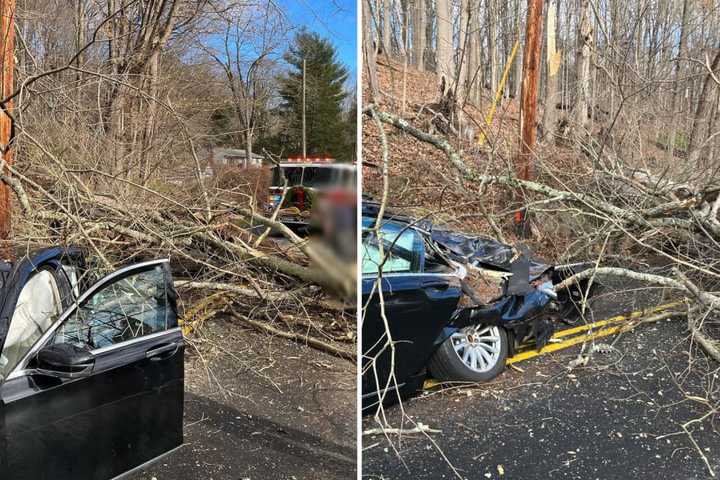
662, 208
208, 233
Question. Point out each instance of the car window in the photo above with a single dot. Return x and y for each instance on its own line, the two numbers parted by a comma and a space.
136, 305
319, 177
39, 306
277, 178
294, 176
352, 183
402, 246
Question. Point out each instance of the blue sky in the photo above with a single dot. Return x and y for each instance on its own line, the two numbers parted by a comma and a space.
335, 20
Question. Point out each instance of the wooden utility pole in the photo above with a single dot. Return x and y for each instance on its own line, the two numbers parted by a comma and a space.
7, 47
303, 113
528, 101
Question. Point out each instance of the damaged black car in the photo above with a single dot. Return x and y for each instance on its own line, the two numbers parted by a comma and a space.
437, 318
91, 372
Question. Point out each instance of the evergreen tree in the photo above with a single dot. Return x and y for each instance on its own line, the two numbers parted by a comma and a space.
326, 122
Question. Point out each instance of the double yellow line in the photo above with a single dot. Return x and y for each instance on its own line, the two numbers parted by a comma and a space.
581, 334
599, 329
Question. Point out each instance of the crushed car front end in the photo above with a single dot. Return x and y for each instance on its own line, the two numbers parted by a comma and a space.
478, 329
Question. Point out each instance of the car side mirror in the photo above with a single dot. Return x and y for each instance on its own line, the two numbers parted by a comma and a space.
65, 360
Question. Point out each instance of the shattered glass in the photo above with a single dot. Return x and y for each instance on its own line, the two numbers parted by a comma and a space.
129, 308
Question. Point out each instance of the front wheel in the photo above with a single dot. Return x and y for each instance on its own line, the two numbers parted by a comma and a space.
473, 354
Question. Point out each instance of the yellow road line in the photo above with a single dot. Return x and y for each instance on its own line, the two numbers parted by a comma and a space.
578, 339
601, 332
616, 319
430, 383
553, 347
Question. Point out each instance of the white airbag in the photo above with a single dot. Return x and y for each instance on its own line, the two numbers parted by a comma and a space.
37, 309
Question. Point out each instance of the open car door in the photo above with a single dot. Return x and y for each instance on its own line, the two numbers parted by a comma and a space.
101, 392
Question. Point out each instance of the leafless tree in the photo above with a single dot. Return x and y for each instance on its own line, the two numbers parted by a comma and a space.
251, 39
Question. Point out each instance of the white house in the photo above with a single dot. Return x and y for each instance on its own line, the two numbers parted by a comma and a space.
225, 157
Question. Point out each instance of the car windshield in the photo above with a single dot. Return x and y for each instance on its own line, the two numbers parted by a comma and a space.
317, 177
320, 177
292, 174
351, 178
402, 248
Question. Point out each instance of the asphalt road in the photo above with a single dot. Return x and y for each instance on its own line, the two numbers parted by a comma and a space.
616, 418
258, 407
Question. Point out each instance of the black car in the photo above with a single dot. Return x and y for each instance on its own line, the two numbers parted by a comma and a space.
91, 375
423, 274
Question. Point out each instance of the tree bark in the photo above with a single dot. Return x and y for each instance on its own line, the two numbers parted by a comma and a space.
150, 116
386, 27
492, 46
444, 50
248, 147
517, 80
419, 33
369, 60
466, 16
80, 43
474, 70
7, 48
585, 40
553, 59
528, 108
677, 87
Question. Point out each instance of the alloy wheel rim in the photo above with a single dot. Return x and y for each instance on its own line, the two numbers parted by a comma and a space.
477, 347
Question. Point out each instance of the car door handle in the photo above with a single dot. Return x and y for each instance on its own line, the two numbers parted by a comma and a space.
436, 284
155, 353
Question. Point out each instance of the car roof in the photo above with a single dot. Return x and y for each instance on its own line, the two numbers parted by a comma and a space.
337, 166
387, 224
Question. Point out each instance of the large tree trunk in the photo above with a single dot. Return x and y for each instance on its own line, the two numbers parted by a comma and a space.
369, 53
553, 59
386, 27
517, 77
444, 51
150, 117
80, 43
474, 71
466, 16
585, 39
492, 44
132, 58
682, 53
677, 86
248, 147
401, 13
419, 33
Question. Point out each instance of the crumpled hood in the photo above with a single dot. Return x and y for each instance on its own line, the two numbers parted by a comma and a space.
481, 251
463, 248
474, 250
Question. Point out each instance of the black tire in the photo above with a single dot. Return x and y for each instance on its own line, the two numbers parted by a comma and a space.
447, 365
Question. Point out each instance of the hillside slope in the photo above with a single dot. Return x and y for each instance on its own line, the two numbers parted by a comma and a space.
422, 181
